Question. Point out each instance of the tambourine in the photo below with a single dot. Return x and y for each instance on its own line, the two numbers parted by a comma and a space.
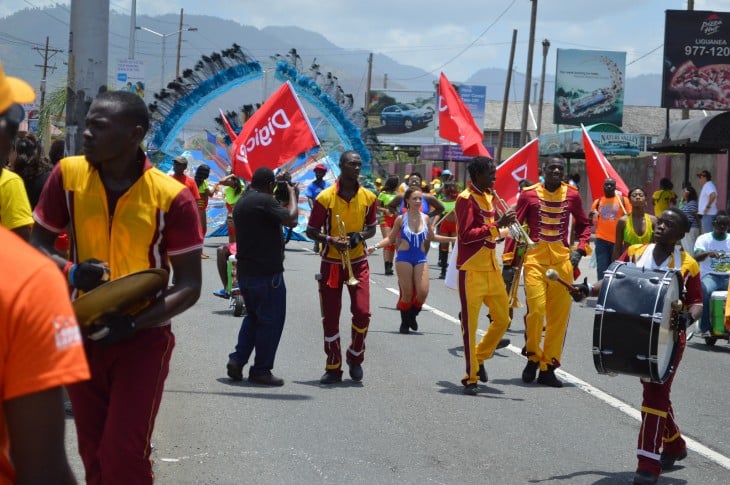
128, 294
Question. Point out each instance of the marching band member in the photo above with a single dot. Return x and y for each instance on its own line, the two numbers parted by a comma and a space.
546, 208
660, 441
356, 208
479, 278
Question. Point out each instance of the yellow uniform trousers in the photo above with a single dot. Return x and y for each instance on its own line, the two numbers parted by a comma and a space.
548, 306
477, 288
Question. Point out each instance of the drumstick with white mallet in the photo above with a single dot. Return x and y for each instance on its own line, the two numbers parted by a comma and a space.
553, 275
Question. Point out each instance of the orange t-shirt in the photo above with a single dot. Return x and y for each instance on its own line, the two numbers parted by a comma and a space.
40, 343
609, 212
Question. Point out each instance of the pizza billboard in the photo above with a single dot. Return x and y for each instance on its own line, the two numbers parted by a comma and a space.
696, 72
589, 87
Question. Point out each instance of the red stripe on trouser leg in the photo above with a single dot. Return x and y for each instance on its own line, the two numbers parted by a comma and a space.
655, 428
115, 411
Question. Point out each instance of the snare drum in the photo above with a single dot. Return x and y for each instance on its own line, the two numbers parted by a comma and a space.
717, 312
632, 331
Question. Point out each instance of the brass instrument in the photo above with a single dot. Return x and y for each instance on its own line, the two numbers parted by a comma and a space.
516, 231
342, 233
519, 258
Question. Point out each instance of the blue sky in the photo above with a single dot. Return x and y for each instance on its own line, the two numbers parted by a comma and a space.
457, 38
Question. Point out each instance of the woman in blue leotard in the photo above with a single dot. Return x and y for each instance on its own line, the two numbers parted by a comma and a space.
412, 233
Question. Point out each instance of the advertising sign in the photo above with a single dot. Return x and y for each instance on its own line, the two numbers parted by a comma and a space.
696, 60
589, 87
130, 76
402, 117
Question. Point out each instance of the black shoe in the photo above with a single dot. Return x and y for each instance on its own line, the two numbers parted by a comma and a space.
503, 343
388, 269
470, 389
235, 370
442, 274
331, 377
355, 371
266, 380
412, 314
530, 371
643, 477
667, 459
482, 373
547, 378
404, 327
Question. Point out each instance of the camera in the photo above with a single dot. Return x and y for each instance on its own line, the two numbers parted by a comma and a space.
281, 191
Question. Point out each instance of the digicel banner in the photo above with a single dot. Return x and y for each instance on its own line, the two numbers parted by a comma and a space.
276, 133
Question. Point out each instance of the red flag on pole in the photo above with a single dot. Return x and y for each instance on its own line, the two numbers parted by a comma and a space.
456, 122
598, 169
521, 165
227, 125
276, 133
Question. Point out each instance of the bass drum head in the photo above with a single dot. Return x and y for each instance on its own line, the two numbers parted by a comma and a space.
665, 342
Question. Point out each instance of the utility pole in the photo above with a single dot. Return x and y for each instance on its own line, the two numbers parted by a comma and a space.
179, 44
369, 86
685, 111
505, 100
45, 67
87, 64
528, 74
385, 81
132, 29
545, 48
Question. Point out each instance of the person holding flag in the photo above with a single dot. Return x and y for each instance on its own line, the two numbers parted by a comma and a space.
606, 212
348, 213
546, 209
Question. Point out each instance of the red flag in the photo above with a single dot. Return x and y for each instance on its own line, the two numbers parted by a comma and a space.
456, 122
227, 125
598, 169
521, 165
276, 133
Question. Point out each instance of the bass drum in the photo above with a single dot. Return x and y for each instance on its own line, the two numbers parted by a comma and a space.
634, 326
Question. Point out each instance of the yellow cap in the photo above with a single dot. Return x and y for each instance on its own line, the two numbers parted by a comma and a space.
13, 90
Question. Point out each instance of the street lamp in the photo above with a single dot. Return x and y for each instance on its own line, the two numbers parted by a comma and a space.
545, 47
165, 36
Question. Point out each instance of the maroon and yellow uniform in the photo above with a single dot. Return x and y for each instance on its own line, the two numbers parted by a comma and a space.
659, 430
547, 215
480, 280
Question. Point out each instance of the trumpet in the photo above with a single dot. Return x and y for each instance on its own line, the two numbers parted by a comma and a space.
342, 233
516, 231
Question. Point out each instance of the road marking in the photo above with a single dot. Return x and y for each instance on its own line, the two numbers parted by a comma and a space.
625, 408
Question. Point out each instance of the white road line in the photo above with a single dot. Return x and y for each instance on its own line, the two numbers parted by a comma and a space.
625, 408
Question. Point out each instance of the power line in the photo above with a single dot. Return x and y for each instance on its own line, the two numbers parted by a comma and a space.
465, 48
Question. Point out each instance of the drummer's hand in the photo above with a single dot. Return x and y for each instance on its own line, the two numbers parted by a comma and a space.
581, 292
88, 274
112, 328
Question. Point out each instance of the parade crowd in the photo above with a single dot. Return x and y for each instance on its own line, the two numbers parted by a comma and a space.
87, 222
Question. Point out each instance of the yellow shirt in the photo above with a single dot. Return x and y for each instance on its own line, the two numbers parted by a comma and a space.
14, 205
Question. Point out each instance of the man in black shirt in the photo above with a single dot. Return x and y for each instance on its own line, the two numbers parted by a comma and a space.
258, 218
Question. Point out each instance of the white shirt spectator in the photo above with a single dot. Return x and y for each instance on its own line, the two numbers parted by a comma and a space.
708, 189
720, 266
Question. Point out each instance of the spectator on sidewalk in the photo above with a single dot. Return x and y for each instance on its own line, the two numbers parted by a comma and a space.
664, 197
707, 204
712, 251
605, 213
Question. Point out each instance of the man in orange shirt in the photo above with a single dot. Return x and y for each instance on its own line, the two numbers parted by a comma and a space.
40, 348
608, 210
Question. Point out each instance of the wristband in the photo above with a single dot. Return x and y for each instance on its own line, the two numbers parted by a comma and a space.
329, 239
70, 272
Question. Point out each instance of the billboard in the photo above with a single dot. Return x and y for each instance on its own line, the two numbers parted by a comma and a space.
475, 100
130, 76
696, 71
589, 87
402, 117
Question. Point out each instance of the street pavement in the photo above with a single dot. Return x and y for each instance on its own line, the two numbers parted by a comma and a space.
408, 421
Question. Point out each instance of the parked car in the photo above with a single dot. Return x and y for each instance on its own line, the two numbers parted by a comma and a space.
405, 116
